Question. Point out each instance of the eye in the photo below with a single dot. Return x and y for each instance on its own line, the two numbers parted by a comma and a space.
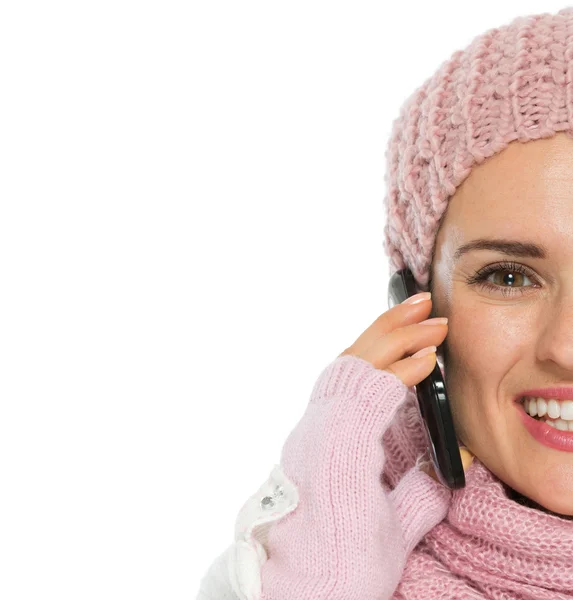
507, 278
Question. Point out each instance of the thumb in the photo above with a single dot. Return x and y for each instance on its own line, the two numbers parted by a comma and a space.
467, 457
420, 504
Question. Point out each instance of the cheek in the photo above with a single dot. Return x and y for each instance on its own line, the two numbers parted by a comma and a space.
486, 341
485, 344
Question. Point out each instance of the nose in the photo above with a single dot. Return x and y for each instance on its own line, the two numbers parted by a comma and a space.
555, 342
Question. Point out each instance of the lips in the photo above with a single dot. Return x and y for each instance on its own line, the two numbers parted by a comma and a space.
559, 393
544, 433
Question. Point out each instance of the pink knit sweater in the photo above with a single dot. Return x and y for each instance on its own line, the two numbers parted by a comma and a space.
369, 525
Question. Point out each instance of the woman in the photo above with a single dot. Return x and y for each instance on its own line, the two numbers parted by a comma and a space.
353, 511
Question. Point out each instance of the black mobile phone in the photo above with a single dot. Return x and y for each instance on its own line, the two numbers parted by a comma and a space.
433, 400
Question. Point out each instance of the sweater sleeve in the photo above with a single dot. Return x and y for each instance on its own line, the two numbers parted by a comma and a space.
324, 525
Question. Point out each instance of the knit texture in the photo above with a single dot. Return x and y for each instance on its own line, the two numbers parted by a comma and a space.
488, 545
371, 526
350, 535
510, 83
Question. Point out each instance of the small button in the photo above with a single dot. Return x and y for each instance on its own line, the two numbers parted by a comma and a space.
267, 502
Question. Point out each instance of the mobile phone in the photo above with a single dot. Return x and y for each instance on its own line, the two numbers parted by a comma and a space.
433, 400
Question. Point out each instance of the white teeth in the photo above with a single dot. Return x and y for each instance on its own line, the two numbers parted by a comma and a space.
554, 409
559, 424
567, 410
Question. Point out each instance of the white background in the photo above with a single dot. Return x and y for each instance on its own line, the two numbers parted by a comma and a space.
191, 224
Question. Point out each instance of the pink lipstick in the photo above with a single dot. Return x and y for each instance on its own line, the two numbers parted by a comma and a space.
545, 434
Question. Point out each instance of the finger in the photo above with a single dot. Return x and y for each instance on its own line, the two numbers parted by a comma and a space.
403, 342
412, 370
467, 458
398, 316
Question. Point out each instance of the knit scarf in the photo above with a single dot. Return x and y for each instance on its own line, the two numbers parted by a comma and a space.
492, 544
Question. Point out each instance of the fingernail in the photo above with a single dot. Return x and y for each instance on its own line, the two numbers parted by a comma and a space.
424, 352
417, 298
435, 321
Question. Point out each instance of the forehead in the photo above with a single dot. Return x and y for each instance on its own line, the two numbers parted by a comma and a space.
526, 189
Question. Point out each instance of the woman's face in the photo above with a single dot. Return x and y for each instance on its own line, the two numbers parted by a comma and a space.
513, 331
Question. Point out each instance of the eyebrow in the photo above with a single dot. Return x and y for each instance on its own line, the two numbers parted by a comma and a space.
509, 247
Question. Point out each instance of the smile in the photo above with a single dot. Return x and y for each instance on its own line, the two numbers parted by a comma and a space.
551, 432
554, 412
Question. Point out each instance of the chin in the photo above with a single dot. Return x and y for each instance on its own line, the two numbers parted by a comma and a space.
558, 502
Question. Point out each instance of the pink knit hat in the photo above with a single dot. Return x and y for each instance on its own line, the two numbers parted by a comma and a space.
513, 82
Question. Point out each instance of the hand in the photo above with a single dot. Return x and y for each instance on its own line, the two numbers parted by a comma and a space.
397, 334
345, 519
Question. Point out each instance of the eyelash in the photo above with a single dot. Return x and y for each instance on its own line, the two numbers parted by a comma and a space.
480, 276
